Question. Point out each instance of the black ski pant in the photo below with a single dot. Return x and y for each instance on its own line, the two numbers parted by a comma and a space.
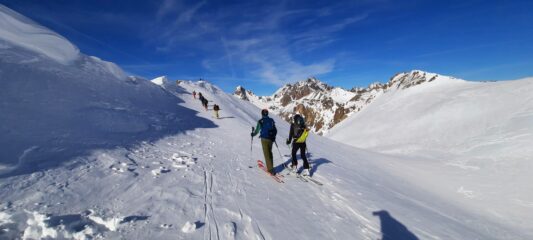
302, 147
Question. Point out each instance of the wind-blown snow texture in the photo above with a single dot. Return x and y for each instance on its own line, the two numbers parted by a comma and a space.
86, 154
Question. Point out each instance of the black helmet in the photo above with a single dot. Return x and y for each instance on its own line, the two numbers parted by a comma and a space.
296, 117
264, 112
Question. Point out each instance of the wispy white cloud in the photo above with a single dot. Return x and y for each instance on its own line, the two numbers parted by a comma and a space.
177, 10
166, 7
189, 13
281, 72
309, 40
229, 57
260, 40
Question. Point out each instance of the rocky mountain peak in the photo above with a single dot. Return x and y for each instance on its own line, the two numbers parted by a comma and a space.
324, 106
301, 89
409, 79
241, 93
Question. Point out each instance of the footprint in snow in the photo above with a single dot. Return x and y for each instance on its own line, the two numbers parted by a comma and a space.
116, 169
231, 230
158, 171
182, 160
165, 226
122, 167
188, 227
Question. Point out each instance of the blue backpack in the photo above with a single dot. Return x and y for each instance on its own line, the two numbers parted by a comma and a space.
268, 128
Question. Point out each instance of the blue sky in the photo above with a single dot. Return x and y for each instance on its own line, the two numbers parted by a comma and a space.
264, 44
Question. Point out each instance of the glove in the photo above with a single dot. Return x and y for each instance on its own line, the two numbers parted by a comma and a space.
252, 134
288, 141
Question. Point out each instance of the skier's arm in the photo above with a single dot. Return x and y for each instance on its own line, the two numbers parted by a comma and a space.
257, 128
290, 135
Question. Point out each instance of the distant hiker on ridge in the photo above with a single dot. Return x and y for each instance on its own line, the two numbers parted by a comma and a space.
194, 94
267, 127
216, 108
298, 134
203, 100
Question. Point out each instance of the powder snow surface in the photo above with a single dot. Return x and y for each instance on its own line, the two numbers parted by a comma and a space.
468, 142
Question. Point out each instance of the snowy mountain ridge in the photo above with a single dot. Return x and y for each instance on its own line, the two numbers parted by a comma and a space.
324, 106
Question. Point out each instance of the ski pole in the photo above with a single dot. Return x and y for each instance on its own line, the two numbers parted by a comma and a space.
280, 156
251, 149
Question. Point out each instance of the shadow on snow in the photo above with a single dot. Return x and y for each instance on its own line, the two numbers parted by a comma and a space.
392, 229
314, 163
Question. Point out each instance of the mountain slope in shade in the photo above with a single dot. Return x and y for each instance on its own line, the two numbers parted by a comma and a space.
324, 106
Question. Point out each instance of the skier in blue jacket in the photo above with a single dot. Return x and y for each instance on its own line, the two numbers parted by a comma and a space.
267, 129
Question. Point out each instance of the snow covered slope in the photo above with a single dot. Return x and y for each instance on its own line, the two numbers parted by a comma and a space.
199, 185
475, 118
52, 111
87, 155
472, 139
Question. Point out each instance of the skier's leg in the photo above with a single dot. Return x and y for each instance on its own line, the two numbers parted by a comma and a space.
267, 152
264, 145
302, 153
293, 153
271, 158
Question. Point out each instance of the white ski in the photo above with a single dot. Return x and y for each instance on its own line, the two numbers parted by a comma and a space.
309, 178
296, 174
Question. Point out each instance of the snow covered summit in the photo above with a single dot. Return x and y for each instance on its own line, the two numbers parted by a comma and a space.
18, 30
161, 81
